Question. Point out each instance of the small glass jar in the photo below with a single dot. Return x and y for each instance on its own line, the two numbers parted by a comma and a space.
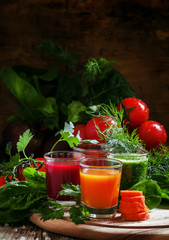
134, 167
92, 150
100, 184
61, 167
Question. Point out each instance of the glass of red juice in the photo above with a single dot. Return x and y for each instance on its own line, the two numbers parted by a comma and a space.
92, 150
61, 167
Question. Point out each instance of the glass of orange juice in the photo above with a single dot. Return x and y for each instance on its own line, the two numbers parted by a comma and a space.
100, 183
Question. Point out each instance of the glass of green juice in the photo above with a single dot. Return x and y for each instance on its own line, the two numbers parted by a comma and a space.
134, 167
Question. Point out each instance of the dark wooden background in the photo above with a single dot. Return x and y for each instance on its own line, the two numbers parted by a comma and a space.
133, 32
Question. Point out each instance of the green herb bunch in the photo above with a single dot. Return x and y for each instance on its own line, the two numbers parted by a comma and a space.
20, 199
63, 92
117, 136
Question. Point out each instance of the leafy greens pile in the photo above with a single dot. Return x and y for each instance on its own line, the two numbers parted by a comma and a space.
20, 199
50, 97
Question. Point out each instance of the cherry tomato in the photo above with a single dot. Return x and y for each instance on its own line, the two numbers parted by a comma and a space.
152, 134
82, 129
20, 170
42, 169
135, 111
2, 181
101, 123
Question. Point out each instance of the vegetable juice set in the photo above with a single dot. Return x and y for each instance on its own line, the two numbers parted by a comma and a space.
115, 158
87, 180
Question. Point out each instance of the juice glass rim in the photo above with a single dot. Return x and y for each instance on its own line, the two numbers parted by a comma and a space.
119, 163
140, 153
78, 149
80, 156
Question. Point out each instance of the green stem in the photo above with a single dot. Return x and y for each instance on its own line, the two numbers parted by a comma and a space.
61, 139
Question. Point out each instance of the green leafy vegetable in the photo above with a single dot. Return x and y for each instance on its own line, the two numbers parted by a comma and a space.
151, 191
33, 106
22, 198
158, 170
78, 214
51, 210
36, 179
71, 190
118, 138
24, 140
103, 83
49, 97
17, 199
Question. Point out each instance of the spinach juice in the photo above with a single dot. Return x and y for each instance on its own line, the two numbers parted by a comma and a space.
134, 168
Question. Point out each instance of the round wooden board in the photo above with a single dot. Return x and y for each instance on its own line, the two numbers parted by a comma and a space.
157, 225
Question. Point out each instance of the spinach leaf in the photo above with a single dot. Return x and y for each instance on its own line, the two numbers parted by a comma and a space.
163, 181
19, 195
17, 201
74, 110
35, 179
13, 216
151, 191
33, 106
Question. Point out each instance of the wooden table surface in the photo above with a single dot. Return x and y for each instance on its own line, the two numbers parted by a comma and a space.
155, 228
28, 231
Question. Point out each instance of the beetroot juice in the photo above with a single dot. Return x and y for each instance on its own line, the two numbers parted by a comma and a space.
61, 168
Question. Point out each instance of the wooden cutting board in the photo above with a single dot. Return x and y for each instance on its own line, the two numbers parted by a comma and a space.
155, 228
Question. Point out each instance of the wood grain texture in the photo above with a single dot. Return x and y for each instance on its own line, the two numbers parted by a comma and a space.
28, 231
157, 227
135, 33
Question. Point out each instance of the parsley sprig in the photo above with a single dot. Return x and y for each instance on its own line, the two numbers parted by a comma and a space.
77, 212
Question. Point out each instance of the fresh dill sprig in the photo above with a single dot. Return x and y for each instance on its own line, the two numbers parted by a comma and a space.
118, 137
95, 69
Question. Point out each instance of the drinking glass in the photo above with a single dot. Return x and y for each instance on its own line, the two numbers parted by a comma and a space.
100, 184
61, 167
92, 150
134, 167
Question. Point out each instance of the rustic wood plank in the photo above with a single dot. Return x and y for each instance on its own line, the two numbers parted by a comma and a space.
135, 33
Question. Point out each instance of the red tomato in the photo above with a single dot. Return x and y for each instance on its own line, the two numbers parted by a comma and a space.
20, 170
42, 169
2, 181
152, 134
135, 112
82, 129
101, 123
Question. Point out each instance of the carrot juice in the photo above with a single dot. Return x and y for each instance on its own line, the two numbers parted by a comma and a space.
100, 184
